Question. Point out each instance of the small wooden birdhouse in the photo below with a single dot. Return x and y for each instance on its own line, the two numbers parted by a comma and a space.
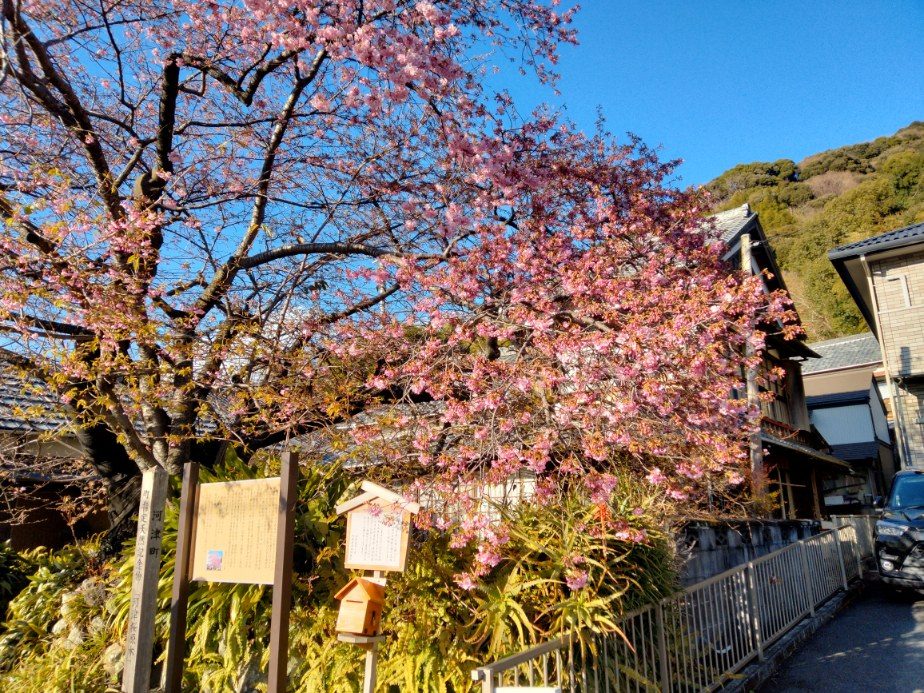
361, 603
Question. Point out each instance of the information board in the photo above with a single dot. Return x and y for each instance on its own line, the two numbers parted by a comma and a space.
377, 537
235, 531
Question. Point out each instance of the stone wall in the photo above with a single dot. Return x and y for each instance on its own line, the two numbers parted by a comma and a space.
708, 549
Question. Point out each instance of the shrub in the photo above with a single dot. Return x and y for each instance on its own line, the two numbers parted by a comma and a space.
15, 569
58, 617
565, 568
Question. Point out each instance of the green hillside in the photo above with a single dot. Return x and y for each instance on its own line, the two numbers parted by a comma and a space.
835, 197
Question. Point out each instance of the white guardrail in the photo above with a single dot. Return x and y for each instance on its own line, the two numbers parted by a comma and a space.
700, 638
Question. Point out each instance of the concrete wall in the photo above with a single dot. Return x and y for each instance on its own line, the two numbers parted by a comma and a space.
710, 549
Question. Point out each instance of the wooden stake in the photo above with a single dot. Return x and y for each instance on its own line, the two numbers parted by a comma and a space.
176, 648
139, 642
372, 652
282, 583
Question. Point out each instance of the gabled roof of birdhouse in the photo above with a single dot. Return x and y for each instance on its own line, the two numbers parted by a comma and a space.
373, 591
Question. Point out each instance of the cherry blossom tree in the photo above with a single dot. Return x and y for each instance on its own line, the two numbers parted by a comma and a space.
585, 329
234, 222
192, 190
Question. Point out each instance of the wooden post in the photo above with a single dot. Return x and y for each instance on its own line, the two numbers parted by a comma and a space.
370, 644
372, 654
372, 659
139, 641
816, 494
176, 648
758, 475
282, 583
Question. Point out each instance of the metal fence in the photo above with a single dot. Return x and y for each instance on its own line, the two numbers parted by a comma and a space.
697, 640
865, 526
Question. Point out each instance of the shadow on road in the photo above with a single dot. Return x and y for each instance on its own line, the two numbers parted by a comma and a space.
876, 644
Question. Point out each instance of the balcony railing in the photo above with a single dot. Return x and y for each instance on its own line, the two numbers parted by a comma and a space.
784, 431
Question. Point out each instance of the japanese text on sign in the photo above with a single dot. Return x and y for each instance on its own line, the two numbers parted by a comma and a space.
235, 531
376, 538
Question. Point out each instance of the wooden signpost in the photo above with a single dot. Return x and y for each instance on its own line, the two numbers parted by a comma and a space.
239, 532
139, 640
378, 526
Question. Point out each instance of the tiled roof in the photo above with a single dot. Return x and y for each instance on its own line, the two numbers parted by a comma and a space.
844, 352
730, 222
837, 398
908, 235
868, 450
26, 404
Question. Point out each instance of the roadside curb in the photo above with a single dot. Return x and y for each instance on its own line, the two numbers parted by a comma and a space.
758, 673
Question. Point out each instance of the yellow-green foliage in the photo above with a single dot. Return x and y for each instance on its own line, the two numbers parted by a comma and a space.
437, 632
15, 569
835, 197
59, 618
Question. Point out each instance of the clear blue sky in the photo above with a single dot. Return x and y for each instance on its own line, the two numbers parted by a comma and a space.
721, 83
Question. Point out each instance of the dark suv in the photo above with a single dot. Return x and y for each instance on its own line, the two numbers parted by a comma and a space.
900, 532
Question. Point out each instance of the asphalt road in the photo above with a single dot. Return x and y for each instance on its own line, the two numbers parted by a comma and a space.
876, 644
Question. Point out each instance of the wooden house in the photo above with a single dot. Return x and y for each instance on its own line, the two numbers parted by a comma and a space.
796, 456
885, 276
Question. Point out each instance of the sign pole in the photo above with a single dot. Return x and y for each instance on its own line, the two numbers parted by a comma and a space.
372, 654
372, 660
139, 641
282, 583
176, 647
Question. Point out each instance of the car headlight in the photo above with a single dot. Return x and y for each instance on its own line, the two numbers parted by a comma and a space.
891, 530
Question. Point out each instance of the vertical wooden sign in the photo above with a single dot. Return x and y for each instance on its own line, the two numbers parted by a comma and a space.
139, 641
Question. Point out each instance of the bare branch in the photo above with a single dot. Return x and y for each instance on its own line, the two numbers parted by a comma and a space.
314, 249
70, 111
227, 272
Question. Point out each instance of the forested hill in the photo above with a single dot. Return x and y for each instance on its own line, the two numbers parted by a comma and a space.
835, 197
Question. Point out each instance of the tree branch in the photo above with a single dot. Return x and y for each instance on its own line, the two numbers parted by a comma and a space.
225, 275
70, 112
235, 86
313, 249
